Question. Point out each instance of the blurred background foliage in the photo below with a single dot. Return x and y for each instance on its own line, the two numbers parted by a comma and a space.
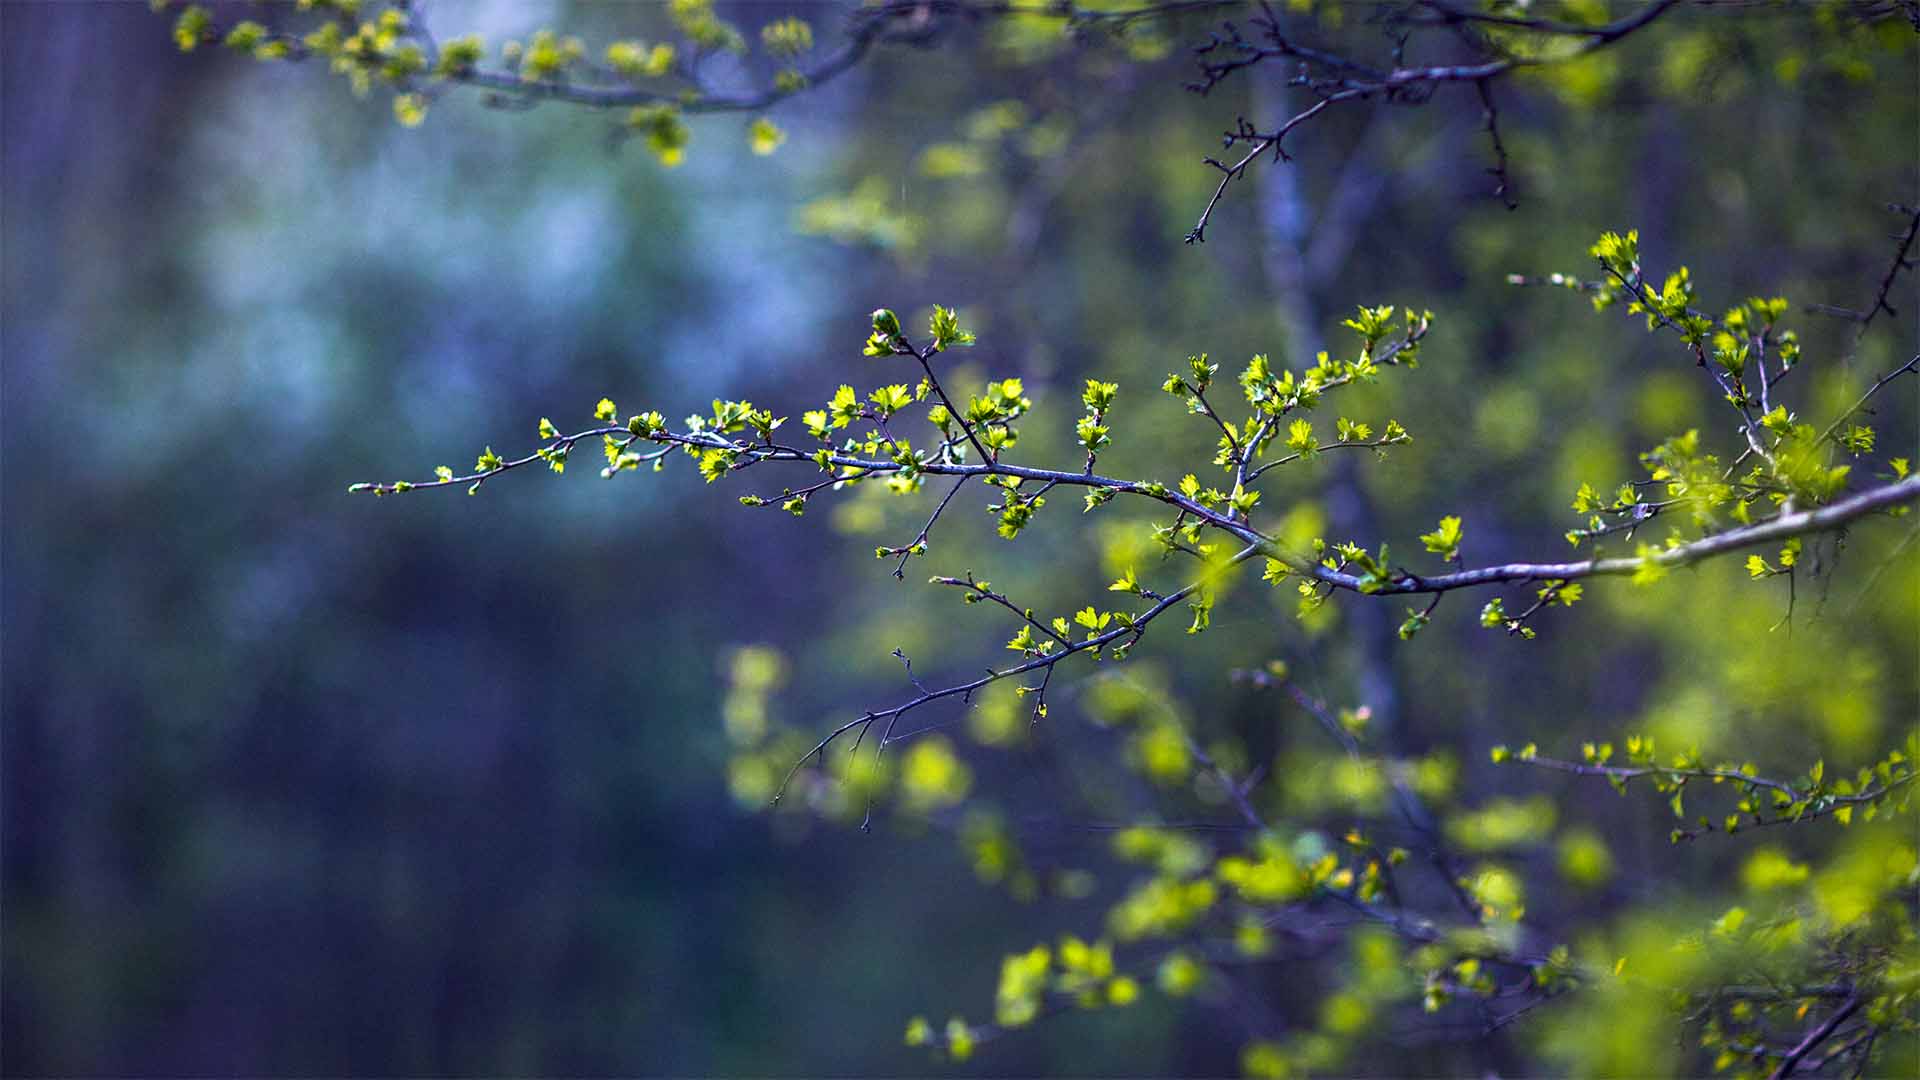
303, 783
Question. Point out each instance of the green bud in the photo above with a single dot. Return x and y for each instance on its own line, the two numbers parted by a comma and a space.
886, 322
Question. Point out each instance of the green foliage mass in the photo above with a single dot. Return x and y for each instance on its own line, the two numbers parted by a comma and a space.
1321, 831
1856, 918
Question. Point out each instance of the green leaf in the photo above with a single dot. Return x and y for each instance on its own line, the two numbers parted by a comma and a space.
1650, 569
1727, 925
1444, 541
764, 137
1300, 438
1092, 435
891, 399
1203, 371
1371, 323
1494, 614
666, 133
944, 324
193, 24
245, 36
1202, 608
410, 109
1091, 619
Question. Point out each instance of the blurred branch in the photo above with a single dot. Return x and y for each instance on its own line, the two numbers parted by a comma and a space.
915, 22
1903, 245
1334, 79
1044, 663
1491, 113
362, 42
1815, 1037
1792, 801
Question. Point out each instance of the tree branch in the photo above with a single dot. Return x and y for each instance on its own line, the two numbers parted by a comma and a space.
1823, 519
1814, 1038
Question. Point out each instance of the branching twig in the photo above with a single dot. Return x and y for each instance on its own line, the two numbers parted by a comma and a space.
1134, 629
1342, 80
1904, 244
1912, 365
1800, 804
1491, 113
919, 542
